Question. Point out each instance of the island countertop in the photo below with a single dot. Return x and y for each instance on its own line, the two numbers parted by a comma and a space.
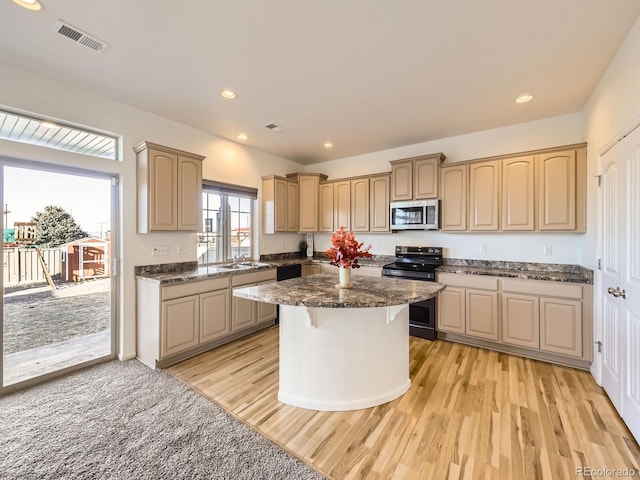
320, 291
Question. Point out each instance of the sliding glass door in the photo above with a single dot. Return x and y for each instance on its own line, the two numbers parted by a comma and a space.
58, 295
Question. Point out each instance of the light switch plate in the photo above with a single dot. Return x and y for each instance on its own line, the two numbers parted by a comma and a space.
159, 251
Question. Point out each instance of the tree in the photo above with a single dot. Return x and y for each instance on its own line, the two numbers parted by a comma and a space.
56, 226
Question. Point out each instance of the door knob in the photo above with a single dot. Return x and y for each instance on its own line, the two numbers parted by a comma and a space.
622, 293
611, 291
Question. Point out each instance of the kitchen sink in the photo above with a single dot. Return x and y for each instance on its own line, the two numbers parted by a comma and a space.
236, 266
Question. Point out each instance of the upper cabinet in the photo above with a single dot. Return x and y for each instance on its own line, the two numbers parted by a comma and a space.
415, 178
484, 196
308, 191
279, 205
342, 204
538, 191
325, 212
518, 193
169, 189
360, 205
379, 203
561, 189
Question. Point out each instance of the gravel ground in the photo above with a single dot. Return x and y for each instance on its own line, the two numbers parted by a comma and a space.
34, 317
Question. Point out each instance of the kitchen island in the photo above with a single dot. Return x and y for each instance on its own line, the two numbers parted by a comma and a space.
342, 349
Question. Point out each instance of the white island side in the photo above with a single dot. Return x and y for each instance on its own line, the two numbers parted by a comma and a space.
343, 349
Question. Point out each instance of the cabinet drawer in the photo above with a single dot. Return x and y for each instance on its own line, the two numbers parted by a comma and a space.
468, 281
253, 277
194, 288
538, 287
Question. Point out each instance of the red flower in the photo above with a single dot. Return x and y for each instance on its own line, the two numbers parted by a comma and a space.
346, 250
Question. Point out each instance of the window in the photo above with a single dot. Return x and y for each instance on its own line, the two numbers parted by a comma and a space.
22, 128
227, 223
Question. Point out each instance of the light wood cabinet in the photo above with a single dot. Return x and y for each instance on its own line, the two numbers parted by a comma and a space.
561, 326
518, 194
247, 313
484, 196
454, 197
342, 204
326, 214
415, 178
469, 305
546, 320
169, 183
180, 320
520, 320
452, 310
279, 205
214, 315
482, 313
379, 203
309, 196
557, 191
360, 205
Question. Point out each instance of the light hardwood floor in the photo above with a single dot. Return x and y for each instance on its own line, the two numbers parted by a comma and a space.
470, 413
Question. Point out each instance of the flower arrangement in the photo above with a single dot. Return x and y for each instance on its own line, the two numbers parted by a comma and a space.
346, 250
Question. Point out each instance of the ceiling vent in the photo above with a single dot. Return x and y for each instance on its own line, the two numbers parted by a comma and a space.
78, 36
273, 126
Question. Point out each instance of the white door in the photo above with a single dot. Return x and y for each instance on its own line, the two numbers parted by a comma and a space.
631, 284
612, 264
619, 289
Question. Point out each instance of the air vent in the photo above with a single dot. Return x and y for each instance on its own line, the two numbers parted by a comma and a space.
273, 126
78, 36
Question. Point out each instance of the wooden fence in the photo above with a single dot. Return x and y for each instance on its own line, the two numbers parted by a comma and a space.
21, 265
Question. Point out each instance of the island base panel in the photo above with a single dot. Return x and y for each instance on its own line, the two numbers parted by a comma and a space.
337, 359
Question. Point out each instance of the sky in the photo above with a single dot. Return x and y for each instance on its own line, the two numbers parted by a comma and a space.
87, 199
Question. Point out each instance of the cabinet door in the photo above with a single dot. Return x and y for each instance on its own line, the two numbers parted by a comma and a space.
360, 205
557, 191
451, 310
243, 312
326, 208
266, 311
215, 320
293, 210
561, 326
308, 191
402, 181
482, 314
281, 212
379, 204
484, 196
163, 191
189, 194
518, 195
454, 197
342, 205
179, 325
520, 320
425, 178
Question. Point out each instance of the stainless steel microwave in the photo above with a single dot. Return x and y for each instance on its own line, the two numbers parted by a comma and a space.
415, 215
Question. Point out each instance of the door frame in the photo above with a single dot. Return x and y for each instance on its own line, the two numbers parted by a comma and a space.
114, 259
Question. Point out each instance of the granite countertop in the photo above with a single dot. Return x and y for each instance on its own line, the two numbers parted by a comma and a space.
555, 272
320, 291
166, 274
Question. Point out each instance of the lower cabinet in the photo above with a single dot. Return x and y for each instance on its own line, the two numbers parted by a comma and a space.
544, 319
469, 305
179, 320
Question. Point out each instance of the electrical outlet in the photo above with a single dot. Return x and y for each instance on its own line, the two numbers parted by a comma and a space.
547, 250
159, 251
483, 247
181, 250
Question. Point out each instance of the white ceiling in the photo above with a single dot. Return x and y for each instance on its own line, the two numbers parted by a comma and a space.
366, 74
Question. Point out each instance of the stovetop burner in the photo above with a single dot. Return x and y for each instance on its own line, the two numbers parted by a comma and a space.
417, 263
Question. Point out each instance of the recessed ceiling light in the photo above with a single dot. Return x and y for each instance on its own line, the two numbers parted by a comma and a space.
242, 136
48, 125
328, 145
524, 98
29, 4
230, 94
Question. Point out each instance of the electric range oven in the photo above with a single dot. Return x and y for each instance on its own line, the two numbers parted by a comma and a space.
418, 263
